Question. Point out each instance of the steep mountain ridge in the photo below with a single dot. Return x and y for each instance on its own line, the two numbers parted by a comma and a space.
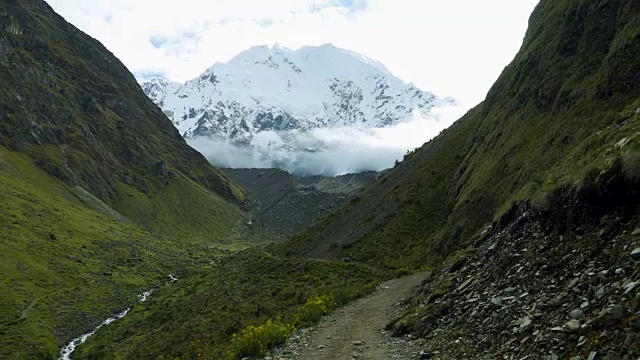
78, 112
278, 89
564, 109
100, 196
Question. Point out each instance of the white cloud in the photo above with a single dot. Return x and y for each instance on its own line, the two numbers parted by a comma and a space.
451, 47
325, 151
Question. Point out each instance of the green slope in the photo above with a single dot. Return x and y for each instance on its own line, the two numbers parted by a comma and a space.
567, 106
209, 307
67, 266
69, 104
100, 197
63, 265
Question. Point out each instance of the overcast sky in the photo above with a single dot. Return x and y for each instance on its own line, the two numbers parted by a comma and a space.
451, 47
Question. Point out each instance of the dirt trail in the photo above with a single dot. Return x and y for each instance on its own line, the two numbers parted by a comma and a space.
356, 331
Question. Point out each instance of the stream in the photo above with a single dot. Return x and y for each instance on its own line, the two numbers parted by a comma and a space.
66, 353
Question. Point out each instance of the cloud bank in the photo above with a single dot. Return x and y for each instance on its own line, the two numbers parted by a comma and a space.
450, 47
327, 151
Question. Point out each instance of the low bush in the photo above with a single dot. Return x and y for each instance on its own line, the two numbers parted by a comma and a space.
257, 340
313, 310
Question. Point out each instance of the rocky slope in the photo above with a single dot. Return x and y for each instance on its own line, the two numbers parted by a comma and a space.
566, 106
283, 204
553, 281
277, 89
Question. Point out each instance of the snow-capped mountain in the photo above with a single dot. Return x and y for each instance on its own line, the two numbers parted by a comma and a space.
282, 90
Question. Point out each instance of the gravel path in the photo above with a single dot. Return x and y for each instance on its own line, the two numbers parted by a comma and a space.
356, 331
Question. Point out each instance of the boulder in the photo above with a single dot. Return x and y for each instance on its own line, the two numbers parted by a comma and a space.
577, 314
610, 316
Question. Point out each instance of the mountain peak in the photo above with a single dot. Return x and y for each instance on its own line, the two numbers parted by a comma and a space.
329, 46
315, 86
281, 90
278, 48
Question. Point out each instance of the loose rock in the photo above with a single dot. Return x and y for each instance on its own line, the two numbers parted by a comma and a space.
577, 314
572, 326
610, 316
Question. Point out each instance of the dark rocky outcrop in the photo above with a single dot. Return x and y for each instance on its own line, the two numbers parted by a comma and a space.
284, 204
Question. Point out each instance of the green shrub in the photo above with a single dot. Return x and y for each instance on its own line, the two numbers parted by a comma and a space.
346, 294
313, 310
257, 340
631, 166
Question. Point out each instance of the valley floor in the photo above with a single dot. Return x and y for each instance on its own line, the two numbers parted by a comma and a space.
356, 331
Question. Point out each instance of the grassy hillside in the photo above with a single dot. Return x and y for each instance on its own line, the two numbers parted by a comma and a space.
64, 266
68, 261
69, 104
567, 106
100, 197
200, 314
